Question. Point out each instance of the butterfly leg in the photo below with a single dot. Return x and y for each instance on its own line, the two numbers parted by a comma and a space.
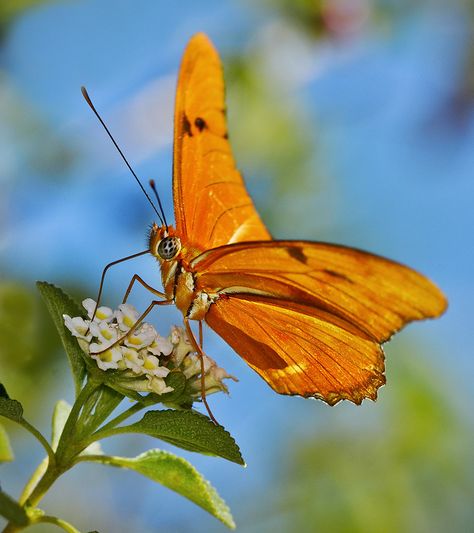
200, 335
198, 347
135, 326
135, 278
101, 286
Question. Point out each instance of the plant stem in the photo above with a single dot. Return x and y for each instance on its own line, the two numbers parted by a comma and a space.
57, 463
104, 430
33, 481
70, 428
49, 477
40, 438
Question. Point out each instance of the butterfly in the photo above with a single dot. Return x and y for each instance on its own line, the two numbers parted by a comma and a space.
309, 317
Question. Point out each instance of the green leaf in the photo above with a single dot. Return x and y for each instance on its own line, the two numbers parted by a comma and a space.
186, 429
11, 409
6, 453
59, 303
12, 510
103, 403
60, 415
177, 380
177, 474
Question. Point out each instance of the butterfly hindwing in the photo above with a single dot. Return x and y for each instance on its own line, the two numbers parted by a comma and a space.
300, 350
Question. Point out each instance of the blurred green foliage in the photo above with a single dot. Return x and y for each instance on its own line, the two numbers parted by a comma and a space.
10, 9
410, 470
272, 140
29, 347
342, 20
272, 136
6, 453
37, 146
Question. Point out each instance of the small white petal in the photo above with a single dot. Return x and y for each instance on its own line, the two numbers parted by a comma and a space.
104, 332
176, 334
132, 359
158, 385
151, 366
141, 338
208, 363
126, 316
191, 366
107, 359
89, 306
78, 327
138, 385
182, 346
213, 381
102, 313
160, 346
84, 345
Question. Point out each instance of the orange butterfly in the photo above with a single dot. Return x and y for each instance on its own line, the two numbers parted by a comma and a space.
309, 317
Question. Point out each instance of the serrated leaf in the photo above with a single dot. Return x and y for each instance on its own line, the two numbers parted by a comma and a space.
6, 453
177, 474
12, 510
59, 303
188, 430
11, 409
177, 380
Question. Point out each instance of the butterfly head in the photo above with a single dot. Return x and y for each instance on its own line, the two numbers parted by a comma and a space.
164, 244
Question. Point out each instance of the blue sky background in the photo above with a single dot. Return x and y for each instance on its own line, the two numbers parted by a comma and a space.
393, 171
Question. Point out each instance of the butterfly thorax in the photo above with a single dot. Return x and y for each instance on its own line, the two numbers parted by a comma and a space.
177, 276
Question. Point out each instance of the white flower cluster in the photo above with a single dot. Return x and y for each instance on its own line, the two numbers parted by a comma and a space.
143, 355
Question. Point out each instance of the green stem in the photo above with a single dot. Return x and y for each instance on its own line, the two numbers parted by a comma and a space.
135, 408
104, 431
49, 477
40, 438
33, 481
90, 458
44, 476
70, 428
120, 418
66, 526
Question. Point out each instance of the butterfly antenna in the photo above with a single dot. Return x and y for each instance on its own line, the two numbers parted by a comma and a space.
157, 196
91, 105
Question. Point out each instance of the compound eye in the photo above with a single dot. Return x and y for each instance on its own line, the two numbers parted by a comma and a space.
168, 247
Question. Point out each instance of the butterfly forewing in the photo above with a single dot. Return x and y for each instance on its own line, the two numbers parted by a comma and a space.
375, 294
212, 206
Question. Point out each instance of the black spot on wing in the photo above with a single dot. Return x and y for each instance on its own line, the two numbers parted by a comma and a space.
187, 126
296, 252
200, 123
338, 275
